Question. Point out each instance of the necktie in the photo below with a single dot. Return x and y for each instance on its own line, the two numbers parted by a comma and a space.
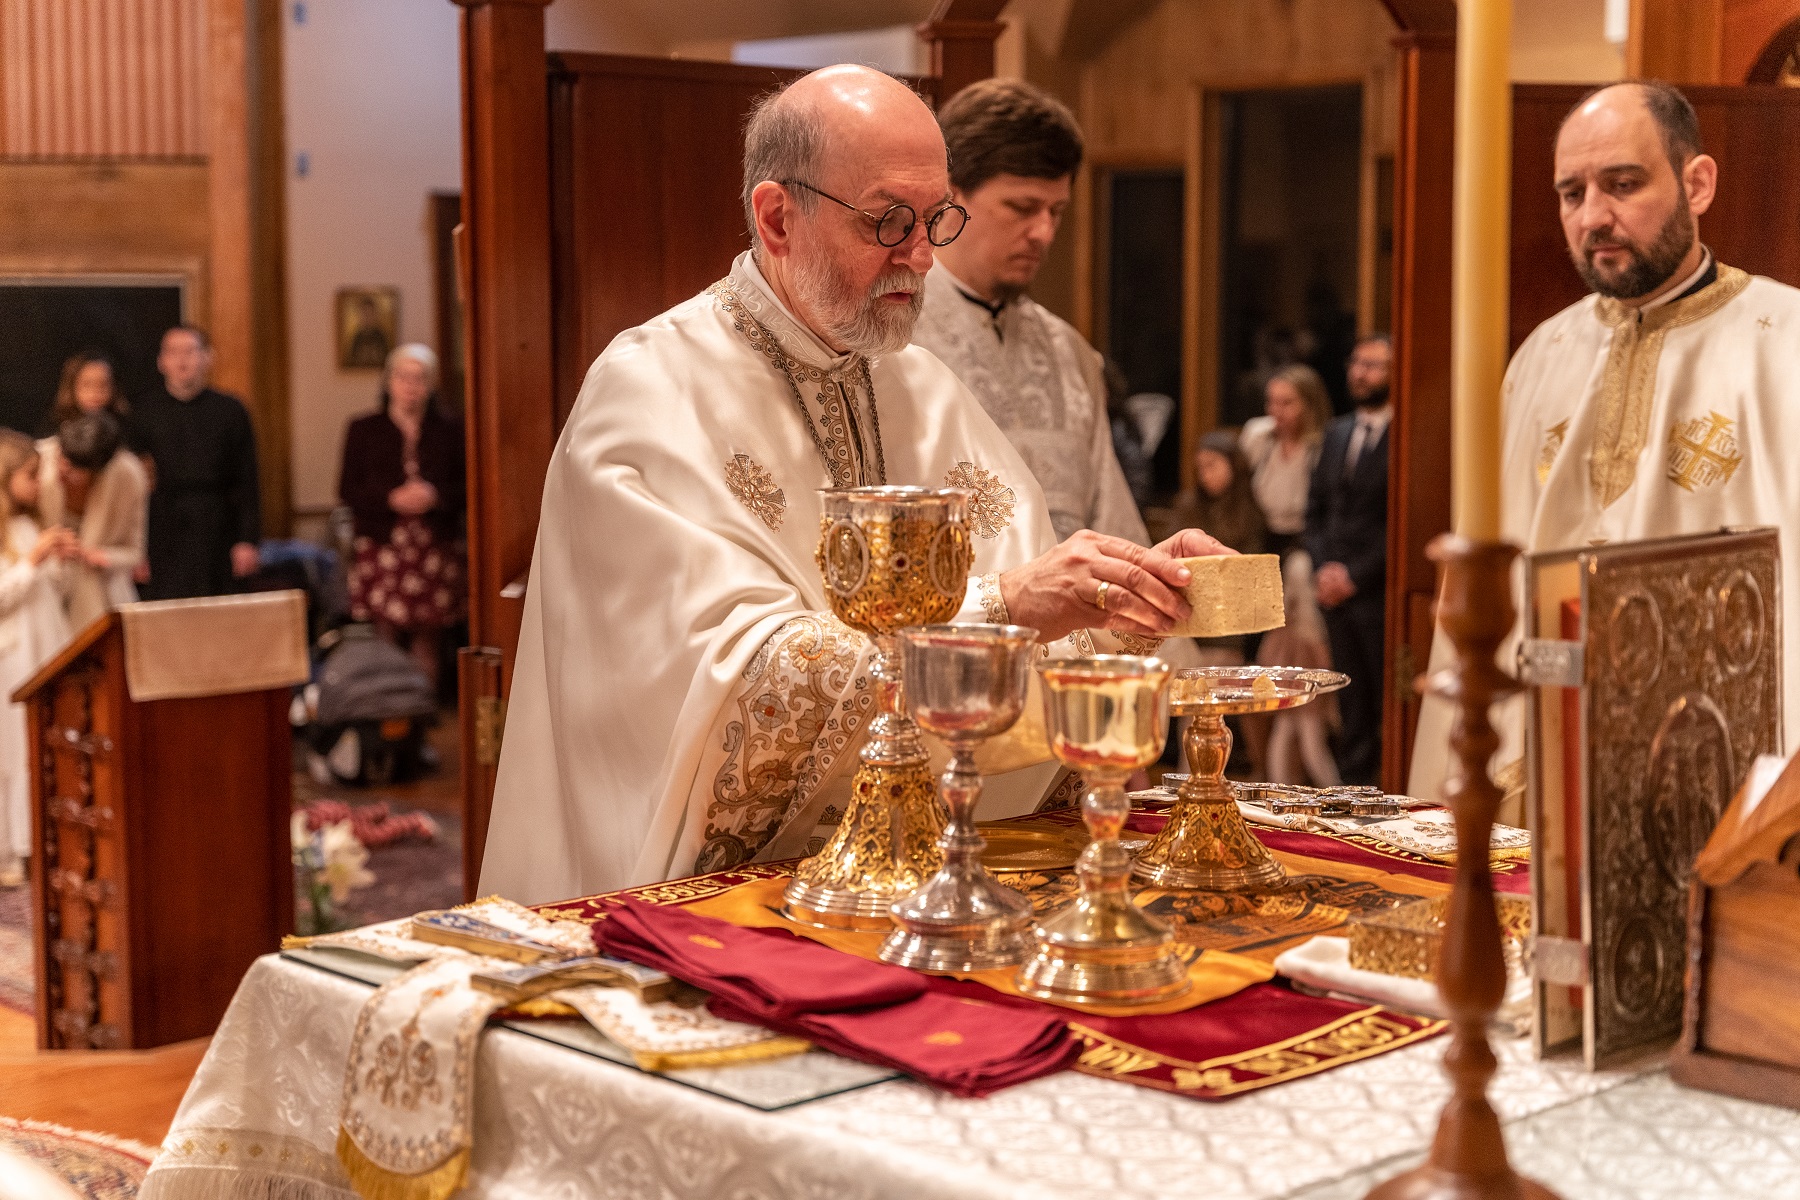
1359, 437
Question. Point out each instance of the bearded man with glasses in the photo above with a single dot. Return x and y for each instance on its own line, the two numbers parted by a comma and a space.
683, 700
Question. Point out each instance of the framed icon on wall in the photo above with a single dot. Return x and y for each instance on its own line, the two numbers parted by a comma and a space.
368, 326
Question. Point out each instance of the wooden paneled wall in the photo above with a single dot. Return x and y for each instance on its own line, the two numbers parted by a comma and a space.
103, 78
1705, 41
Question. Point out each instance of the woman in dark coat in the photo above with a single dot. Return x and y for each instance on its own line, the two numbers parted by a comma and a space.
402, 478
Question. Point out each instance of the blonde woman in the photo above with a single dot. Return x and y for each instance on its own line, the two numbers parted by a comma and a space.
32, 628
93, 485
1282, 448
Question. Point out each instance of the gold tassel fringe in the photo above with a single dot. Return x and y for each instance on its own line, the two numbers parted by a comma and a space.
375, 1182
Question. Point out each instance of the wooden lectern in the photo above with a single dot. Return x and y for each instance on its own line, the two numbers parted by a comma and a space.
161, 789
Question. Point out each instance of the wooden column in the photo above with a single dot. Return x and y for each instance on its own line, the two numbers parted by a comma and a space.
1419, 438
960, 35
246, 212
507, 332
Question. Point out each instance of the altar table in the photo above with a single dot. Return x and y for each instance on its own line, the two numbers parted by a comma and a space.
555, 1123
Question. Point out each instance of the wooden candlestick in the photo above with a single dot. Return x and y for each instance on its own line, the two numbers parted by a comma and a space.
1468, 1156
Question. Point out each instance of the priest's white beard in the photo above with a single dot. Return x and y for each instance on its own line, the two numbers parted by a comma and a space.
865, 324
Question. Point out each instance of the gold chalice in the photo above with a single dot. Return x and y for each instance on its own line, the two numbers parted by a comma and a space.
891, 557
1206, 844
1106, 717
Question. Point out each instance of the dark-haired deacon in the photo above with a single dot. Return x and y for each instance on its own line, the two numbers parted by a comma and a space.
1013, 154
206, 509
1665, 402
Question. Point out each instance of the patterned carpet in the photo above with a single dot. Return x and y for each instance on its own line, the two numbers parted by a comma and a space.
95, 1165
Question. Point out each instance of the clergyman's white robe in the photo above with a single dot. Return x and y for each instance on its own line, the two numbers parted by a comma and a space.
683, 700
1622, 426
1041, 383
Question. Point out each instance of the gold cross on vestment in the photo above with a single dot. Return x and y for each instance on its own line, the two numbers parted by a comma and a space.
1763, 322
1703, 452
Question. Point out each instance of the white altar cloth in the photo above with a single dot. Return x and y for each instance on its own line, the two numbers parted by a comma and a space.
552, 1123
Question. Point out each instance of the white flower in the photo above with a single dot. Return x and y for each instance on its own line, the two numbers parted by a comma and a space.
297, 831
346, 861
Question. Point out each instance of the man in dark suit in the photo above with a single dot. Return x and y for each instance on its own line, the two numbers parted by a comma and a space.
1346, 534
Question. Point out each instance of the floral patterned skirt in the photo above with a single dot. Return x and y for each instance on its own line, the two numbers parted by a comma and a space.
409, 581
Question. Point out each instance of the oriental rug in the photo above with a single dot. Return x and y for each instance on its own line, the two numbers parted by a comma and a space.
96, 1166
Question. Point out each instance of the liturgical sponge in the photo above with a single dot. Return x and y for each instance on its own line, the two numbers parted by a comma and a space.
1232, 594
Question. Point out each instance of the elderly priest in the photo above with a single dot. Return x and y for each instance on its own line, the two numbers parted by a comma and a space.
1659, 405
683, 701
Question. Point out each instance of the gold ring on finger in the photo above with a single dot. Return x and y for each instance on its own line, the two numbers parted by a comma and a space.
1100, 595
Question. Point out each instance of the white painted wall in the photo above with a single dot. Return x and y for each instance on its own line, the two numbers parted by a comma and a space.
371, 95
895, 49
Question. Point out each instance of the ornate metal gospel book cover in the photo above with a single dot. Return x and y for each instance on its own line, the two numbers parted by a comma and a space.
1656, 668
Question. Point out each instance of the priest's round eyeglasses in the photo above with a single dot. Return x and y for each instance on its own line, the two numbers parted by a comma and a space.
895, 225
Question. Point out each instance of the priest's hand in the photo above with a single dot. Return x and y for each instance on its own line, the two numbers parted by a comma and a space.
1058, 592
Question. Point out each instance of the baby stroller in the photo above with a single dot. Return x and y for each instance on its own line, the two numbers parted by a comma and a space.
364, 716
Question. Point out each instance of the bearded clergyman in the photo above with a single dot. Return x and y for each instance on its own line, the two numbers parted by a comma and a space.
683, 700
1660, 404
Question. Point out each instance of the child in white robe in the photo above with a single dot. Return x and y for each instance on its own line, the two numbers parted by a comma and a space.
32, 628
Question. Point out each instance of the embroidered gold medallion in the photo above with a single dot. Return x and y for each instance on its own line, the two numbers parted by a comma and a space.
1553, 440
1703, 452
990, 501
755, 489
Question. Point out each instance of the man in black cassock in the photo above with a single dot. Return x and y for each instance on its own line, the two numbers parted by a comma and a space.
205, 506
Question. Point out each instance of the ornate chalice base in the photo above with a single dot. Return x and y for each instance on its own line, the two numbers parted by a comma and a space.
884, 849
1106, 717
1206, 845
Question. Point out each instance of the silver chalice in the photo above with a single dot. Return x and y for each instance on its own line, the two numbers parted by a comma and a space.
964, 683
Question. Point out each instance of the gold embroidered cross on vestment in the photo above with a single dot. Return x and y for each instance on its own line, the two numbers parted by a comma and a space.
1628, 390
1703, 452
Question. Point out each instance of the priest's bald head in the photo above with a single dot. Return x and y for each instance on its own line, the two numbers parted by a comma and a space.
1631, 183
846, 189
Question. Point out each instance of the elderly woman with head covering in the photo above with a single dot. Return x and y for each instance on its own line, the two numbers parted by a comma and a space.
402, 478
91, 483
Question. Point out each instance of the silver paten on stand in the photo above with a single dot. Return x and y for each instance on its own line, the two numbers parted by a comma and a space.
965, 683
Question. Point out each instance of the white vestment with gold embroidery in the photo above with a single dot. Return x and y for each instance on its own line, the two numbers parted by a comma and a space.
1042, 384
1695, 437
683, 700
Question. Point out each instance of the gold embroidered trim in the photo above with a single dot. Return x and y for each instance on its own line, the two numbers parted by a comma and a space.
1703, 452
1553, 440
1629, 386
839, 443
993, 604
990, 501
755, 489
1066, 794
801, 704
1136, 643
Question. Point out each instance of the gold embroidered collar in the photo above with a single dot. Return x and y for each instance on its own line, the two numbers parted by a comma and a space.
852, 457
1628, 389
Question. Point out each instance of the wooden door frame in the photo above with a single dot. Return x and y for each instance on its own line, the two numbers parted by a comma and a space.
1419, 438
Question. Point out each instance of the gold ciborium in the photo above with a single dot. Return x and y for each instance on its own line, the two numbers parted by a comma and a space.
964, 683
1106, 717
1206, 843
891, 557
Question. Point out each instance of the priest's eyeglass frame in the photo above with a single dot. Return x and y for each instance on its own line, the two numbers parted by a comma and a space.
901, 217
